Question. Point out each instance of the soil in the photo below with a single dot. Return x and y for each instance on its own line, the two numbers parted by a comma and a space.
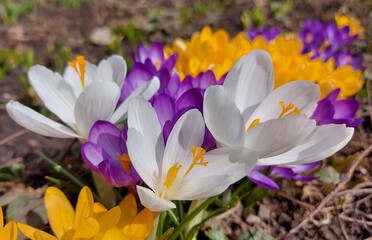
275, 215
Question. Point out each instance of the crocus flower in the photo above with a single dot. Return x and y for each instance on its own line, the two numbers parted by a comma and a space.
106, 154
287, 171
86, 93
246, 112
267, 33
10, 230
90, 220
179, 169
330, 110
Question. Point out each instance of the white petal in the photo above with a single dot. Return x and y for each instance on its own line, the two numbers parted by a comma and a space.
104, 71
279, 135
322, 143
143, 157
34, 121
250, 80
56, 94
151, 89
150, 200
236, 162
187, 132
303, 94
223, 118
201, 187
119, 67
96, 102
73, 79
145, 89
142, 117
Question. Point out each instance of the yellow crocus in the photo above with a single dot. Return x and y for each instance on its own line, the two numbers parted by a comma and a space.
9, 231
215, 51
343, 20
90, 221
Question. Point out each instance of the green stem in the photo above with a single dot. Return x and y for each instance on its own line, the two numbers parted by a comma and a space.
189, 217
180, 210
241, 187
63, 183
161, 225
173, 217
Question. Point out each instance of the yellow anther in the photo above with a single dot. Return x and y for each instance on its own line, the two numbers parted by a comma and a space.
125, 161
254, 123
172, 174
286, 110
79, 66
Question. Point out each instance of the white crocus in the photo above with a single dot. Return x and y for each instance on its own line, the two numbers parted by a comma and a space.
247, 112
179, 170
84, 94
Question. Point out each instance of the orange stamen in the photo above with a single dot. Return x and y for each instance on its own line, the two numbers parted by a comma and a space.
286, 110
125, 161
254, 123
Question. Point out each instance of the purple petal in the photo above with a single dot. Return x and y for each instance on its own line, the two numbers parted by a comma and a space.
139, 73
168, 126
345, 108
191, 98
170, 62
156, 53
207, 79
283, 172
208, 142
301, 168
106, 135
323, 113
142, 53
114, 174
173, 85
305, 178
165, 108
164, 77
262, 180
93, 155
185, 85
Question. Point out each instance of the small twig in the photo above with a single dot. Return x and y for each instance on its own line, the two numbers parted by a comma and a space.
333, 193
355, 220
14, 135
343, 230
296, 201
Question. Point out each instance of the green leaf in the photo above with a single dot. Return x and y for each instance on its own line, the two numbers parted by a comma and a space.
215, 235
328, 175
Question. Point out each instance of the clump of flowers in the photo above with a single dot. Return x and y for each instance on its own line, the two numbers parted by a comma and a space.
202, 53
344, 20
91, 220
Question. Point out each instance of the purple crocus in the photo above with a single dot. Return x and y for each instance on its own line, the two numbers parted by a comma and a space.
106, 154
325, 40
267, 33
288, 171
330, 110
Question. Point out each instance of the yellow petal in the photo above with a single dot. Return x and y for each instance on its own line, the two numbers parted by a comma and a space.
115, 234
110, 219
10, 231
27, 230
128, 207
98, 210
59, 209
87, 229
1, 218
84, 207
40, 235
141, 226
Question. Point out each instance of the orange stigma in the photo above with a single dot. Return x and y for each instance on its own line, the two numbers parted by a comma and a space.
79, 66
125, 161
